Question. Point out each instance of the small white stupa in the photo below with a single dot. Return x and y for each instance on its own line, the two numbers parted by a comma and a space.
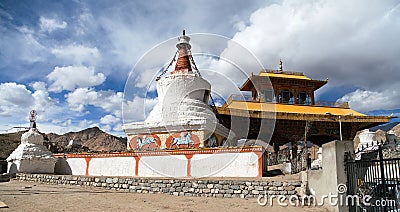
367, 138
182, 117
31, 156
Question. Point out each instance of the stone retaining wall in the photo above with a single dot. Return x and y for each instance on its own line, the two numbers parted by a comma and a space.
178, 187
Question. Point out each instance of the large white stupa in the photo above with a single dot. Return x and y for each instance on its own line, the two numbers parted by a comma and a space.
182, 116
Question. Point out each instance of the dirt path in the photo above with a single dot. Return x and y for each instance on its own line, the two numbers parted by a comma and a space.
26, 196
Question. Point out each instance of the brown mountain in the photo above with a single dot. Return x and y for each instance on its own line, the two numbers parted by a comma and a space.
9, 142
92, 139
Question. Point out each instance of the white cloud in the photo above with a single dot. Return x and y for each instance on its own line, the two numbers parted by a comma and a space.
85, 123
24, 46
49, 25
72, 77
349, 49
109, 119
15, 98
109, 101
16, 101
138, 109
118, 128
349, 42
77, 54
364, 100
106, 128
42, 100
38, 85
146, 79
282, 35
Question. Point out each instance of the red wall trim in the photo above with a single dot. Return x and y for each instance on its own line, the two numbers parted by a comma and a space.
87, 165
163, 152
136, 165
189, 165
260, 165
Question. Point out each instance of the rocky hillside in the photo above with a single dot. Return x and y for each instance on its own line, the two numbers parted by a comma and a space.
92, 140
8, 142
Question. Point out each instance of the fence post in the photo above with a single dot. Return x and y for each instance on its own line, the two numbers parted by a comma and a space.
382, 167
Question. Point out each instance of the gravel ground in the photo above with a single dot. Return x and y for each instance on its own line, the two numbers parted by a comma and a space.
28, 196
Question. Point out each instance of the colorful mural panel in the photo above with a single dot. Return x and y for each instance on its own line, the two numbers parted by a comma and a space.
182, 140
145, 142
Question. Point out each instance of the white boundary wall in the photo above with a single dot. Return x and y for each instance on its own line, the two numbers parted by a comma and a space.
236, 162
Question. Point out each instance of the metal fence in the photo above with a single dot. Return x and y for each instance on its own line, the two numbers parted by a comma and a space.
375, 180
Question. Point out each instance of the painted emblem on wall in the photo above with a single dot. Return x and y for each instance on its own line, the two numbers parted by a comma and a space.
212, 141
145, 142
183, 140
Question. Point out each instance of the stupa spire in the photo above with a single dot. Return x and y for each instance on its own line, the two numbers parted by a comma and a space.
183, 64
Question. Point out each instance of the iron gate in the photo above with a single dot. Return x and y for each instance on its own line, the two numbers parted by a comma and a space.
373, 180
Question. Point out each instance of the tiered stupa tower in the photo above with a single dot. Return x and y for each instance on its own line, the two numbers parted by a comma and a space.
31, 156
182, 117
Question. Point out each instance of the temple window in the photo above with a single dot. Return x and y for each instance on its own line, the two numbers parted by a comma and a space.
267, 95
304, 98
285, 96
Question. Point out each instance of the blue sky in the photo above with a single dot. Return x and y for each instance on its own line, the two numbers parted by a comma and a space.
70, 59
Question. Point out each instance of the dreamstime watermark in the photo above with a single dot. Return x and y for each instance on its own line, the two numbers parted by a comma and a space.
339, 199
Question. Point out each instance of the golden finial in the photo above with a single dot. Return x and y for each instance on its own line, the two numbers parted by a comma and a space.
280, 65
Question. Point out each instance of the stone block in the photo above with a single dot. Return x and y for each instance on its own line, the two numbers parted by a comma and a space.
259, 188
289, 188
206, 190
234, 187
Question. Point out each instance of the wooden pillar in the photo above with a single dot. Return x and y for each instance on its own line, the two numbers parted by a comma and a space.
312, 98
295, 95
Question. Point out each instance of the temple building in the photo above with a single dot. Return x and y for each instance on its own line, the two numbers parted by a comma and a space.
276, 106
182, 117
281, 107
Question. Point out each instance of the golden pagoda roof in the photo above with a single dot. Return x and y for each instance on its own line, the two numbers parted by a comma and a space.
278, 75
296, 112
287, 108
283, 75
